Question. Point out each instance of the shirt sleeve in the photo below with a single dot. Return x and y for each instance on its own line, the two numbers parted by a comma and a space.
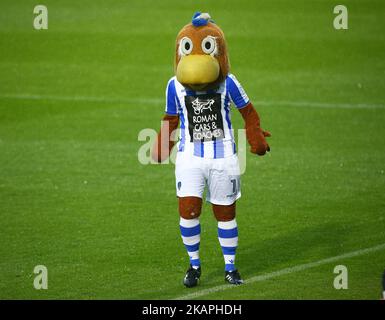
171, 105
237, 94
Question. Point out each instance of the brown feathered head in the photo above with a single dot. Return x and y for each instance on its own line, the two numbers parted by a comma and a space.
201, 60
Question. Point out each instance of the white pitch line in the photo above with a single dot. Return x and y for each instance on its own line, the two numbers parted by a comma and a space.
282, 272
81, 98
310, 104
314, 104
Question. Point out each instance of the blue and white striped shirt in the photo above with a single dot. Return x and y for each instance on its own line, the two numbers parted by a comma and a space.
205, 122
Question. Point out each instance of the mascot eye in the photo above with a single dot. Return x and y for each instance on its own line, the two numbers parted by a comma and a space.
208, 45
186, 45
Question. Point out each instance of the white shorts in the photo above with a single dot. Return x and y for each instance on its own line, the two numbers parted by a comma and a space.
222, 177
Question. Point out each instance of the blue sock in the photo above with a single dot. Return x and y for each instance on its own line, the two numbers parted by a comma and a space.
228, 239
190, 230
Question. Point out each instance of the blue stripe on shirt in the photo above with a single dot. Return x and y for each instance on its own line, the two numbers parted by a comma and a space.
171, 107
235, 93
218, 149
227, 109
197, 148
182, 125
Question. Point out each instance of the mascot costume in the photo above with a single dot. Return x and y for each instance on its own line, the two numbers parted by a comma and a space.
199, 97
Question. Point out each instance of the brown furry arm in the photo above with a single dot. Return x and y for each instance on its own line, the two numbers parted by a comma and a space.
254, 134
165, 139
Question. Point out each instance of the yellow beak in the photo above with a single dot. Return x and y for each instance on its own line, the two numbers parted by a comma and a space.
197, 69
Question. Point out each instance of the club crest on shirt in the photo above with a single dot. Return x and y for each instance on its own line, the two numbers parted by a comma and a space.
200, 105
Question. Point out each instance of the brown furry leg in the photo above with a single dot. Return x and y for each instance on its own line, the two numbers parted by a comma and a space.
224, 213
190, 207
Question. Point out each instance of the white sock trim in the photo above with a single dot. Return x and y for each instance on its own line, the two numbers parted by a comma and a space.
226, 225
228, 242
189, 223
229, 259
193, 255
191, 240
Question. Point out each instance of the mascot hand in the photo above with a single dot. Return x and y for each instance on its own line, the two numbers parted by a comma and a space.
261, 146
165, 139
254, 134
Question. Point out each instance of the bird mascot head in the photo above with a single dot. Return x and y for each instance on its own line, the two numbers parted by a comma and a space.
202, 64
201, 60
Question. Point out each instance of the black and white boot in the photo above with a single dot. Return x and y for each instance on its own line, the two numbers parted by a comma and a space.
233, 277
192, 276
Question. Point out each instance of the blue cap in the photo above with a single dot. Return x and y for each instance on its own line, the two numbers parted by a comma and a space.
201, 19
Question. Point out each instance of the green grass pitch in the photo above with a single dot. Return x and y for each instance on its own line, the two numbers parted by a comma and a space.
74, 197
